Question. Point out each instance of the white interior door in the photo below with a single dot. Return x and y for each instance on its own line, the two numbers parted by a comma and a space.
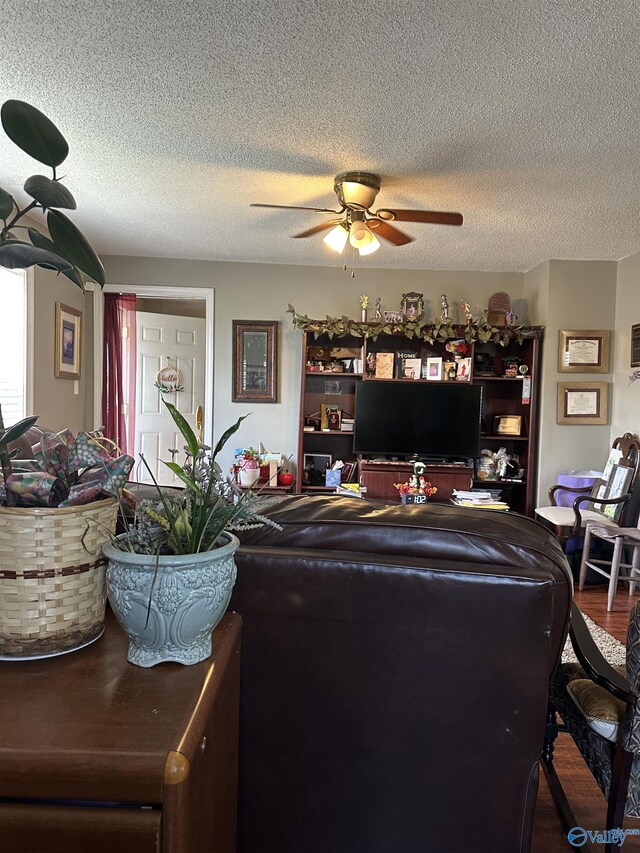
166, 339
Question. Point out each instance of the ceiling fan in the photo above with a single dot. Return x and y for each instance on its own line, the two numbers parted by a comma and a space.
357, 223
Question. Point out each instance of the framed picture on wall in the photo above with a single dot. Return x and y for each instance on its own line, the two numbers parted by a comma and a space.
583, 351
635, 345
582, 403
255, 361
68, 342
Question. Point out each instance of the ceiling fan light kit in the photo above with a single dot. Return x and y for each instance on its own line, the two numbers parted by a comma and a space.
371, 247
356, 192
337, 238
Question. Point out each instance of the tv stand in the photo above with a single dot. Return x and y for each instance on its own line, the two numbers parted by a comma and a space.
379, 477
335, 364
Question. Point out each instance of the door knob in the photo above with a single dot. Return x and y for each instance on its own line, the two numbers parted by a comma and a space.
199, 422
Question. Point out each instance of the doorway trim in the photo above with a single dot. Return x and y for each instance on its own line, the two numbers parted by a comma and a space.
158, 291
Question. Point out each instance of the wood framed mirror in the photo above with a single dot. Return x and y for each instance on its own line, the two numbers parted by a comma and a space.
255, 361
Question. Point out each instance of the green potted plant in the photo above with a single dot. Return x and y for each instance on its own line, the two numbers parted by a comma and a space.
55, 514
171, 574
52, 579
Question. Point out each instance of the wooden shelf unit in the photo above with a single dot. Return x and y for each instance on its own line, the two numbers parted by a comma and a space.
501, 396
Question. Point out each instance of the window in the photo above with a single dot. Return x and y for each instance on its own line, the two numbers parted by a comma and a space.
13, 345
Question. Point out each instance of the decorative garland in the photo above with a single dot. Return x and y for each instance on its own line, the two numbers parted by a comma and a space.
337, 327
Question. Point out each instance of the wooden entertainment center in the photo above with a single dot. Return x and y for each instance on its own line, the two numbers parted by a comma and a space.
509, 406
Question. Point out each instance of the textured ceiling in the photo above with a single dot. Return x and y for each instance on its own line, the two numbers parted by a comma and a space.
524, 116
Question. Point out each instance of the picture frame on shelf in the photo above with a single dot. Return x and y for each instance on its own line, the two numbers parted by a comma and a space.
583, 350
582, 403
434, 369
635, 345
255, 361
464, 369
507, 425
314, 467
412, 306
68, 342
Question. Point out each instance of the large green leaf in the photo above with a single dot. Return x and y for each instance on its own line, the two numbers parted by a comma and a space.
73, 275
49, 193
38, 239
14, 254
6, 204
14, 432
75, 246
184, 427
32, 131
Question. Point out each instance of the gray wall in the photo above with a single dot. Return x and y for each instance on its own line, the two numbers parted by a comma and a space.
626, 395
53, 399
555, 294
569, 295
262, 292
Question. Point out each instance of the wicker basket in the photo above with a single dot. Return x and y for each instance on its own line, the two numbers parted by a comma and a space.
52, 585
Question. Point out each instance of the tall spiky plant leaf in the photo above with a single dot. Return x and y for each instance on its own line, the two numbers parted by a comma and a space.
224, 438
34, 133
184, 427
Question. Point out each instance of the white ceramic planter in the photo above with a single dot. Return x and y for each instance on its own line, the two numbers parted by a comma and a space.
249, 476
190, 595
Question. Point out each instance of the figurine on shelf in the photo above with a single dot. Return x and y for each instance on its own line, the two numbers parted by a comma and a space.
378, 310
364, 303
444, 314
467, 311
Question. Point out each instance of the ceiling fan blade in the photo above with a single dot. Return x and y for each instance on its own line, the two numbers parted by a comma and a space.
295, 207
322, 227
393, 235
435, 217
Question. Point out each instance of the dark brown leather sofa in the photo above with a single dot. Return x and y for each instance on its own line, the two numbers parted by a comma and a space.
395, 669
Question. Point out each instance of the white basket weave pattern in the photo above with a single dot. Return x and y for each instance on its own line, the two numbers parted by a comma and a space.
52, 584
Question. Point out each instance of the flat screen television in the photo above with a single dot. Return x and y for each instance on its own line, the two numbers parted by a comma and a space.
434, 420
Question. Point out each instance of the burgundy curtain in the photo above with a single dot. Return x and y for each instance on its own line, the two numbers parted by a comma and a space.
119, 370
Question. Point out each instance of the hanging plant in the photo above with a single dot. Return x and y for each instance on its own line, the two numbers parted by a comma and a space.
429, 333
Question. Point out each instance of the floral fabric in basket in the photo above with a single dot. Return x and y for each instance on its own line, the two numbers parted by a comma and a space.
75, 470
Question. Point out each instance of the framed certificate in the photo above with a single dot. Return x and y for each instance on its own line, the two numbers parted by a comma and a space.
582, 403
583, 351
507, 425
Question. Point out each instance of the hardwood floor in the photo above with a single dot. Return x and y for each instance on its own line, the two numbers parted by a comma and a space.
582, 791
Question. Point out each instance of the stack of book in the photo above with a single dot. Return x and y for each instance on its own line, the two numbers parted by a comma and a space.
479, 499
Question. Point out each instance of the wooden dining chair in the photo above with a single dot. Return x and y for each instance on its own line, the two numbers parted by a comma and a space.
597, 503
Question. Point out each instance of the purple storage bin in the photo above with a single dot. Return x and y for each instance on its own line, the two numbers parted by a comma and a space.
574, 480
